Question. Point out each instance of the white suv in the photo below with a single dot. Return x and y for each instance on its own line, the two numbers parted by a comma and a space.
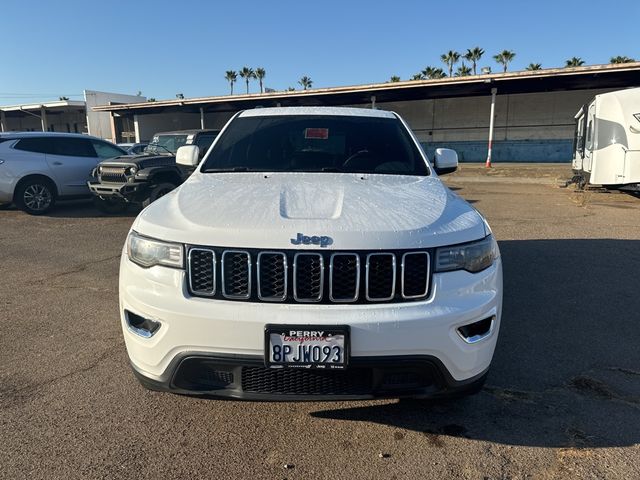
37, 168
314, 254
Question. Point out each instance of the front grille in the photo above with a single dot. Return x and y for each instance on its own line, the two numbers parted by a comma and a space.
290, 276
352, 381
112, 175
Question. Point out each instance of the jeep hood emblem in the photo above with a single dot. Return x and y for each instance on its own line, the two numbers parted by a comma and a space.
301, 239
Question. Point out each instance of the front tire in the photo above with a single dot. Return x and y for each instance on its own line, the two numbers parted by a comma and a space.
35, 196
159, 190
109, 206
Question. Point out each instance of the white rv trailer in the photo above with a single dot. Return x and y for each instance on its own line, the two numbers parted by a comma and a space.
607, 141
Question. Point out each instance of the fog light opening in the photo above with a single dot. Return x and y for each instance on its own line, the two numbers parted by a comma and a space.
141, 326
476, 331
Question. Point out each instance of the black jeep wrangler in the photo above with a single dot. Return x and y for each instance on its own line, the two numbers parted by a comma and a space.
144, 178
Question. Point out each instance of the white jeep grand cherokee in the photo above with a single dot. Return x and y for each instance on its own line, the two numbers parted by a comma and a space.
314, 254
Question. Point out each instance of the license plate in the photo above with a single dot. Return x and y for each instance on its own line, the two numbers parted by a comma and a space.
306, 346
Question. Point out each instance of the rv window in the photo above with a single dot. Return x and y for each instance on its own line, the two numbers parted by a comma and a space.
578, 138
589, 134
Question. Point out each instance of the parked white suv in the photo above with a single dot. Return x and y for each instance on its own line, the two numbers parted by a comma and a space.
314, 254
37, 168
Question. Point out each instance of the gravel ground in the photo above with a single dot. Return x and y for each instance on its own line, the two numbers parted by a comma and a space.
562, 400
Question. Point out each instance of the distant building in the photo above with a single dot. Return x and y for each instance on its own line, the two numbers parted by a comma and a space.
534, 114
76, 116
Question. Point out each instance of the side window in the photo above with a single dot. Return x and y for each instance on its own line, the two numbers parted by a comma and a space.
73, 147
590, 134
104, 150
34, 144
204, 142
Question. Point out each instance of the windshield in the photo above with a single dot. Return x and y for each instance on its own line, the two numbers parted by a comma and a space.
316, 143
166, 144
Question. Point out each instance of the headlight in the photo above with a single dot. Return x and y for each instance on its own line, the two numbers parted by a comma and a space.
131, 171
472, 257
148, 252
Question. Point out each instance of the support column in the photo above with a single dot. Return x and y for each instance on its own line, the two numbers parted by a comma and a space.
491, 122
202, 118
112, 127
136, 128
3, 122
43, 118
373, 102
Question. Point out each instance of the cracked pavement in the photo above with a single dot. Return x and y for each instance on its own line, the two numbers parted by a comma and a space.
562, 399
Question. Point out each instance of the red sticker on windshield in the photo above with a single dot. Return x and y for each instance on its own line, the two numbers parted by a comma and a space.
316, 133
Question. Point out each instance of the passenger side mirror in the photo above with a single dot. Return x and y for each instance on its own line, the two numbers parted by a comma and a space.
445, 161
188, 155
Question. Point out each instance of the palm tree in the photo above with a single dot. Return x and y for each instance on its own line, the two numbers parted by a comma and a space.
621, 59
418, 76
305, 82
394, 78
260, 74
450, 59
534, 66
433, 73
574, 62
463, 71
504, 57
247, 73
474, 55
231, 76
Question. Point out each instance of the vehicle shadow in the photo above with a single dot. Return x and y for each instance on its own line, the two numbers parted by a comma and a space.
86, 209
566, 372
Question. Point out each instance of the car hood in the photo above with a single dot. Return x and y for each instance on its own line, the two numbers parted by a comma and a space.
142, 161
363, 212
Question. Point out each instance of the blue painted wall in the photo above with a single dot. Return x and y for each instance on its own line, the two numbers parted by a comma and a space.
552, 151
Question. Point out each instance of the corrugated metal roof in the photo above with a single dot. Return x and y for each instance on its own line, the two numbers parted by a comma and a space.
595, 76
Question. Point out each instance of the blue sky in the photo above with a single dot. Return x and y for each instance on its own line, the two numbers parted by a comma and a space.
165, 47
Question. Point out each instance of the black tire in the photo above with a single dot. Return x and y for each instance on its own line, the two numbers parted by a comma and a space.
158, 191
35, 196
110, 206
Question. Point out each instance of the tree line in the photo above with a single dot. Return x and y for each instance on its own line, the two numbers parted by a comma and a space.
473, 56
248, 74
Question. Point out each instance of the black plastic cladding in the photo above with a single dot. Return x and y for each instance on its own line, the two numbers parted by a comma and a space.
326, 255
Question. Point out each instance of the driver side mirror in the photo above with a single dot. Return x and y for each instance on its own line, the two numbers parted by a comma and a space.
445, 161
188, 155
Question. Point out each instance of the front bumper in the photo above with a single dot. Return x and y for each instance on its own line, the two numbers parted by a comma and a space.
246, 377
127, 192
382, 335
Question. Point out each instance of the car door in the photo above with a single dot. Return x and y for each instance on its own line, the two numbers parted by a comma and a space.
71, 161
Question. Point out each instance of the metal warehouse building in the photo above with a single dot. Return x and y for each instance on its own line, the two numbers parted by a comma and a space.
534, 110
76, 116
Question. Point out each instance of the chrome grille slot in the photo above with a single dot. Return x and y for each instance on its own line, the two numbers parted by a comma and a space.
308, 277
415, 275
236, 274
272, 276
344, 277
380, 276
202, 271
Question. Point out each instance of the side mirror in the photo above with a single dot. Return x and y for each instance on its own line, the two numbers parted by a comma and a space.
188, 155
445, 161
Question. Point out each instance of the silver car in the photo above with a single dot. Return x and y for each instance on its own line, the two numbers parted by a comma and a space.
38, 168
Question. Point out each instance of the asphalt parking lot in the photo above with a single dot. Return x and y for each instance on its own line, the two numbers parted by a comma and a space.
562, 399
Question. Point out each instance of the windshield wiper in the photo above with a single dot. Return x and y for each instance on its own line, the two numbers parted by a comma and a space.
232, 169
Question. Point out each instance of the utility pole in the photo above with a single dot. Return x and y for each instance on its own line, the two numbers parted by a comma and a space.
491, 121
